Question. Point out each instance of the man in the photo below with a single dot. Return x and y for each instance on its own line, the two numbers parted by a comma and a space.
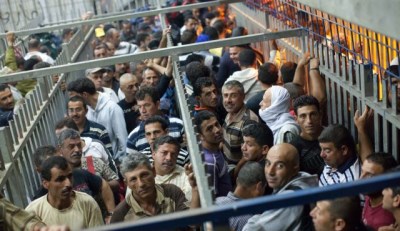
103, 111
283, 176
391, 203
210, 132
100, 51
155, 127
340, 214
248, 74
121, 47
229, 64
373, 214
308, 116
127, 34
148, 102
34, 50
190, 23
208, 98
150, 77
142, 40
96, 76
6, 105
63, 205
148, 198
129, 85
238, 117
250, 183
338, 151
77, 110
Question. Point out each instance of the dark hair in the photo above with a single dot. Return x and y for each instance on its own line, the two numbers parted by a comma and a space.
287, 71
247, 57
41, 65
67, 122
396, 188
66, 31
141, 37
154, 44
201, 83
188, 17
261, 133
348, 209
339, 135
33, 43
239, 31
53, 162
194, 57
268, 73
82, 85
305, 100
188, 37
209, 15
294, 90
166, 140
195, 70
386, 160
150, 91
202, 116
219, 25
29, 63
211, 32
41, 154
157, 119
77, 98
234, 84
250, 174
3, 87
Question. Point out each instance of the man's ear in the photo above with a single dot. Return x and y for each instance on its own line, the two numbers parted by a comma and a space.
345, 150
396, 201
340, 224
265, 149
45, 184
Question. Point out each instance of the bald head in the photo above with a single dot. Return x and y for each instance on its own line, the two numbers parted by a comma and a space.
126, 78
129, 85
281, 165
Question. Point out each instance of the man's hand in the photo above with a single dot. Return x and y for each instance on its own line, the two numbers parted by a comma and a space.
361, 121
305, 59
190, 174
314, 63
10, 36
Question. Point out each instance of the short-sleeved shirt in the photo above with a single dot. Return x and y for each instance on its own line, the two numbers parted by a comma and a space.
169, 199
83, 213
310, 158
130, 114
233, 133
217, 167
235, 223
348, 171
376, 217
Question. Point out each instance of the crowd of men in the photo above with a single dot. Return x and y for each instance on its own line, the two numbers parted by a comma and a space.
121, 151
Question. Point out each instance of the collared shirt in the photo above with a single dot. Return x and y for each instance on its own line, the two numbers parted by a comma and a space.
169, 199
232, 129
348, 171
183, 156
99, 132
137, 140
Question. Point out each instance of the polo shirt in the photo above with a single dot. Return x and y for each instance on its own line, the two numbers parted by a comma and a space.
348, 171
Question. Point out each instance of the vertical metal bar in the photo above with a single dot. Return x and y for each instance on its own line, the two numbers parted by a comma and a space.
395, 140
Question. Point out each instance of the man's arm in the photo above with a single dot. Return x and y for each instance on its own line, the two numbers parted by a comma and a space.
317, 83
195, 202
364, 142
10, 59
119, 127
108, 199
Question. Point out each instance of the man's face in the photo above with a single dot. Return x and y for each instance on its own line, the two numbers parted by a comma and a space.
100, 53
309, 119
77, 112
165, 158
111, 49
153, 131
130, 87
332, 156
71, 150
60, 185
322, 218
208, 97
211, 131
234, 54
6, 99
389, 201
126, 28
146, 42
116, 38
279, 169
97, 79
121, 68
233, 99
266, 101
251, 150
141, 182
370, 169
150, 78
191, 24
147, 107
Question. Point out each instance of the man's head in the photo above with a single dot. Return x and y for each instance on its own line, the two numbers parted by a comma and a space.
195, 70
6, 98
65, 123
392, 75
233, 96
41, 154
342, 214
209, 128
205, 92
70, 147
83, 87
257, 140
154, 127
188, 37
100, 51
251, 177
138, 176
281, 165
391, 196
234, 52
247, 58
77, 109
57, 178
110, 49
337, 145
268, 74
126, 26
191, 22
287, 71
113, 36
308, 116
129, 84
150, 77
143, 39
148, 102
165, 154
33, 44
